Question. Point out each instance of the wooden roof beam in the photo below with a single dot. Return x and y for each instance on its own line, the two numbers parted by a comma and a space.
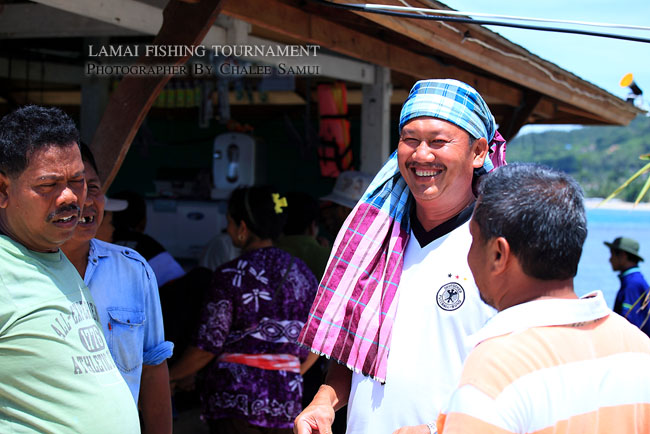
48, 97
49, 22
504, 59
183, 24
566, 109
127, 14
519, 116
40, 72
314, 29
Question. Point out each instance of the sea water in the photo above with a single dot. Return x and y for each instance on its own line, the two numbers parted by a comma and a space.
594, 269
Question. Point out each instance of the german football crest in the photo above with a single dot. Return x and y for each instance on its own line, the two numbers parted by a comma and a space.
450, 296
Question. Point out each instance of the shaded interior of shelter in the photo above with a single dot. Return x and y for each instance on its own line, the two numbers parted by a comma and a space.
44, 50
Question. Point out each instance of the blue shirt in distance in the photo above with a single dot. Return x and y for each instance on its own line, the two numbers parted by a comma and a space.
630, 299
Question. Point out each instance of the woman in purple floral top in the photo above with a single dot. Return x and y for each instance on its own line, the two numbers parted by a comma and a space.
252, 316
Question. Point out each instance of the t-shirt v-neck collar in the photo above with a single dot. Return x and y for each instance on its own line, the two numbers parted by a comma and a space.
424, 238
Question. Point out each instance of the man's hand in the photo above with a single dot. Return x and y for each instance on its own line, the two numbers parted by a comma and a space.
319, 414
316, 418
418, 429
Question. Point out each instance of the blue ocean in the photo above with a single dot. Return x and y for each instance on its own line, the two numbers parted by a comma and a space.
594, 270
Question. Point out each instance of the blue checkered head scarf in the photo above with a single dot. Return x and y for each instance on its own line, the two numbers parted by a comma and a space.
368, 255
452, 101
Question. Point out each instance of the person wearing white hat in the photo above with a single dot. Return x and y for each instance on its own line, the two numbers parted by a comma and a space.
347, 191
126, 296
106, 228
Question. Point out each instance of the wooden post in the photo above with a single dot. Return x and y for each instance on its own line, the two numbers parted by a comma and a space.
375, 122
183, 24
520, 114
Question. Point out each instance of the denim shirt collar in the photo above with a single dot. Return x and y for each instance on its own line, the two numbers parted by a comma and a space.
94, 255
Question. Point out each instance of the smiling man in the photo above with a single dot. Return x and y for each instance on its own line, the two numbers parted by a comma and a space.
57, 374
126, 295
398, 301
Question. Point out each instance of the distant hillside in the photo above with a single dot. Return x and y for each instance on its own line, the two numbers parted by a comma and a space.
600, 158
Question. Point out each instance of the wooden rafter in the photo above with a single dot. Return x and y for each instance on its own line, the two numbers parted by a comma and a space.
500, 57
451, 55
314, 29
183, 24
520, 115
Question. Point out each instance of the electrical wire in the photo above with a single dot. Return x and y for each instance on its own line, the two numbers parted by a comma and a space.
372, 7
525, 59
362, 8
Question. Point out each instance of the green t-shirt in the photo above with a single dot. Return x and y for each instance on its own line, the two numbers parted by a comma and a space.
56, 372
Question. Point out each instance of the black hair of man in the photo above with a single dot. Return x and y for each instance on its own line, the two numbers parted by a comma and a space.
256, 206
28, 129
87, 156
302, 212
540, 212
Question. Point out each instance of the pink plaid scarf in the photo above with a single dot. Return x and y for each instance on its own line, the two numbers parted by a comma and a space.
351, 319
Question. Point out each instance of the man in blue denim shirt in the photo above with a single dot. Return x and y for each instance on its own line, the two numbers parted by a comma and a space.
126, 295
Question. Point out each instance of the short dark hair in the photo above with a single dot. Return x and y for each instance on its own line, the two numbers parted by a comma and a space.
256, 207
31, 128
540, 212
303, 210
87, 155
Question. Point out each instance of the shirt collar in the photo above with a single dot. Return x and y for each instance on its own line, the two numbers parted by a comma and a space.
96, 251
424, 238
630, 271
543, 313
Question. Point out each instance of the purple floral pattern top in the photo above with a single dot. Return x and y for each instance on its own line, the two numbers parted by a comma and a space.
245, 312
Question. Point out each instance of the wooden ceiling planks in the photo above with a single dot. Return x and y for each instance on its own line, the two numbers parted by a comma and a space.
500, 70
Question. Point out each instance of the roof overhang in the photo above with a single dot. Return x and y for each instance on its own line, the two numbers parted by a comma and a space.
520, 87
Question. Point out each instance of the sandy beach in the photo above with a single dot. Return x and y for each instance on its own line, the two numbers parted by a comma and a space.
595, 202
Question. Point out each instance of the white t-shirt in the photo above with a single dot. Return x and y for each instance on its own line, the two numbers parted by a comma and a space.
438, 308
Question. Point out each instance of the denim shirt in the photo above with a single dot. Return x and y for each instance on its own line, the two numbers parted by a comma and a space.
126, 295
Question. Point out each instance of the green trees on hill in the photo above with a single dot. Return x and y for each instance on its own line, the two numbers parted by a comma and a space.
600, 158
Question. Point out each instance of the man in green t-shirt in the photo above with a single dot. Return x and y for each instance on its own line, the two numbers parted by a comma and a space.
57, 374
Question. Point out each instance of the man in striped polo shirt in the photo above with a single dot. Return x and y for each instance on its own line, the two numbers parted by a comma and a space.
548, 362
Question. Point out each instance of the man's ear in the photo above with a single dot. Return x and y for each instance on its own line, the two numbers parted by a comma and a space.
501, 254
479, 152
4, 190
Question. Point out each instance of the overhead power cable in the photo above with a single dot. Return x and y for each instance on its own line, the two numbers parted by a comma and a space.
417, 13
501, 17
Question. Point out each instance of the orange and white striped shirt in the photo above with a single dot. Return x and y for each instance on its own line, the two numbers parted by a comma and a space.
554, 366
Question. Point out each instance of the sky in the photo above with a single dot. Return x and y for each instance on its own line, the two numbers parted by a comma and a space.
601, 61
